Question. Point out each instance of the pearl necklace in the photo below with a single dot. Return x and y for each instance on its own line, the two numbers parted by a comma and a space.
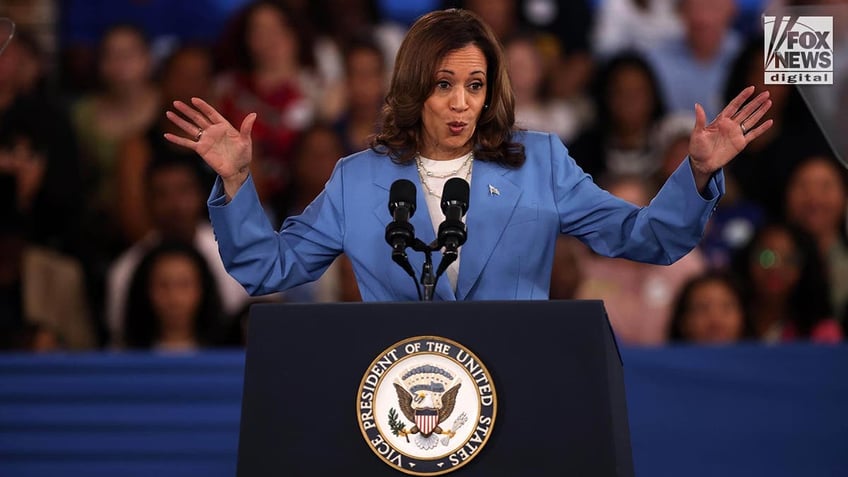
423, 173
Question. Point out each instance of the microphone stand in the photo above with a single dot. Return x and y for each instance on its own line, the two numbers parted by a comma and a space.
428, 279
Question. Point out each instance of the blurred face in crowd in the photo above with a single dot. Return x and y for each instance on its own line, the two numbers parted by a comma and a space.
175, 291
500, 15
176, 202
189, 74
631, 98
318, 154
816, 198
713, 314
706, 22
451, 111
366, 79
125, 61
525, 69
270, 39
775, 264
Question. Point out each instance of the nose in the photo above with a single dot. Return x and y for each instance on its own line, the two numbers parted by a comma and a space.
458, 100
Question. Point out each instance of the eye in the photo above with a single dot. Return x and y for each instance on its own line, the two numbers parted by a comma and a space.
443, 84
476, 86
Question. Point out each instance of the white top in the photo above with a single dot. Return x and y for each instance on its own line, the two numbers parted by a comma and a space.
433, 184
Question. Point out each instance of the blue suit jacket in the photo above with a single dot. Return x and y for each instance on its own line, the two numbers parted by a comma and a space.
511, 233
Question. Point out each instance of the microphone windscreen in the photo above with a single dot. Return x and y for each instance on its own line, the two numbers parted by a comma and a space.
404, 191
456, 191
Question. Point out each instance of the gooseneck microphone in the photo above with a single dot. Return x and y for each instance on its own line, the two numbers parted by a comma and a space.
452, 232
399, 232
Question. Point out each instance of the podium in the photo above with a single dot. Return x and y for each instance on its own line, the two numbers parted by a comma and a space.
554, 364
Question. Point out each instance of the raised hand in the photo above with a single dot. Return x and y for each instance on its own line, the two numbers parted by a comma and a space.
713, 145
227, 151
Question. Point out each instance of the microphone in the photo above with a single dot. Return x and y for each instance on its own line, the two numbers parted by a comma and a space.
399, 232
452, 231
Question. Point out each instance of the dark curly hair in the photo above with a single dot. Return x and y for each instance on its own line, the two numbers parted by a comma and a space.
430, 39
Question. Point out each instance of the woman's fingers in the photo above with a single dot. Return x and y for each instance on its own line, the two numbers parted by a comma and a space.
752, 119
247, 126
213, 116
751, 107
758, 131
194, 115
189, 128
733, 107
700, 117
181, 141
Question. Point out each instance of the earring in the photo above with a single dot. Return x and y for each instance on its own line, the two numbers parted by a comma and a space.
485, 107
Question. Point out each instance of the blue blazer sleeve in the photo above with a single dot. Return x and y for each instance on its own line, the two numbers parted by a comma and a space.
265, 261
667, 229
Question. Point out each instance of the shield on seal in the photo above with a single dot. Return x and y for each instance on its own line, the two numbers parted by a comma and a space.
426, 420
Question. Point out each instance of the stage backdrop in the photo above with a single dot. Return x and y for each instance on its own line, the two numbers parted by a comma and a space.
739, 411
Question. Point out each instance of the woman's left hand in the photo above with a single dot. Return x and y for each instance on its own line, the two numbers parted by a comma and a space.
713, 145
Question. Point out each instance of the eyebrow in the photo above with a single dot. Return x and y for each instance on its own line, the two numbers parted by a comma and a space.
452, 73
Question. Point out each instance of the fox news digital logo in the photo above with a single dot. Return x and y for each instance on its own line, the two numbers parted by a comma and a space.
798, 49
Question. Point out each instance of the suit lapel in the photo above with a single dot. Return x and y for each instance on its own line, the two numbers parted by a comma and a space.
385, 173
493, 198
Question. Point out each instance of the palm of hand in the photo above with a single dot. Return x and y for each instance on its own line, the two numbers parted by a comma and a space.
224, 149
713, 145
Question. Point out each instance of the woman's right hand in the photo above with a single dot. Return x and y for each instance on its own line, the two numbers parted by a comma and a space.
227, 151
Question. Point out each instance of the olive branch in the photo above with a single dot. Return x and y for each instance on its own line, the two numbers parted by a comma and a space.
396, 425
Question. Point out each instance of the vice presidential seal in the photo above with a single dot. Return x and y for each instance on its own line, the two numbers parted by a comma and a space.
426, 405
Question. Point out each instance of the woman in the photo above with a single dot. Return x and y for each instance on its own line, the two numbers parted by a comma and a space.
173, 303
817, 202
450, 113
272, 70
629, 109
710, 309
788, 287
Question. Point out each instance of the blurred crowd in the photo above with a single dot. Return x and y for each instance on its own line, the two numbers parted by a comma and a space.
105, 241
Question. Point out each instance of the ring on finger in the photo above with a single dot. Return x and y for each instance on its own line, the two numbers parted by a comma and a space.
200, 133
741, 126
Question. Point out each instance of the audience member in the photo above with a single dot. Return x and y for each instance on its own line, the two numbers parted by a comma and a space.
788, 296
639, 24
43, 303
817, 202
692, 68
365, 70
533, 110
271, 72
176, 201
710, 309
126, 104
638, 296
38, 158
315, 157
173, 303
629, 109
187, 72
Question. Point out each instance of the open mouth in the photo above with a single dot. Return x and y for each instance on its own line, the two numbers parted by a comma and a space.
456, 127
